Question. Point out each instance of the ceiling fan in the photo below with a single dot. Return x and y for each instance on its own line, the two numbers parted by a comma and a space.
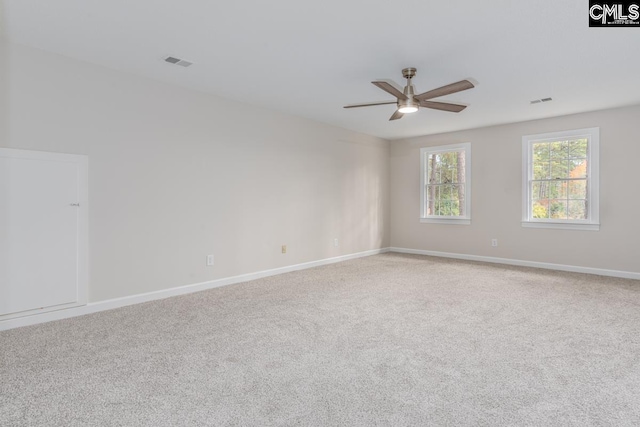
408, 102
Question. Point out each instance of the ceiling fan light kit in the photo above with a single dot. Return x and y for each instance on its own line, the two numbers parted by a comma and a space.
407, 109
408, 102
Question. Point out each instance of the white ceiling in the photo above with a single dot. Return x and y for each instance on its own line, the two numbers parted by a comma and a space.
311, 58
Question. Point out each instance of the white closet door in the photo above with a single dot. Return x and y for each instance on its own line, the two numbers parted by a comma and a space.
41, 231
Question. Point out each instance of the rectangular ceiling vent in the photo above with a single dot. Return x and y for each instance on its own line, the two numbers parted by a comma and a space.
537, 101
177, 61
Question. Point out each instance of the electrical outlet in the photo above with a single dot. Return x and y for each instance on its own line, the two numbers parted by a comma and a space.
335, 242
209, 260
494, 242
284, 249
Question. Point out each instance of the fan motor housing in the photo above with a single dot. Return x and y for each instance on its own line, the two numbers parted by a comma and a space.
408, 91
408, 73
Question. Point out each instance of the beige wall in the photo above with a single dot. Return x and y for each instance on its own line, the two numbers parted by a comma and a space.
497, 196
175, 175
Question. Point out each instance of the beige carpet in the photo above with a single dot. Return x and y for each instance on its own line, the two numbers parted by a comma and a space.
388, 340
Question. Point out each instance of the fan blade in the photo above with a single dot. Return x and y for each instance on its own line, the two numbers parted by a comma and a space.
369, 104
397, 115
444, 106
445, 90
390, 88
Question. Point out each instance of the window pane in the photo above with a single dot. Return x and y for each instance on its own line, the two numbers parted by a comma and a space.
559, 150
442, 190
431, 197
449, 175
444, 200
540, 190
558, 209
433, 167
577, 209
541, 152
460, 167
578, 168
449, 164
540, 160
560, 169
541, 170
447, 192
445, 207
455, 207
578, 189
558, 189
457, 192
444, 173
539, 209
578, 148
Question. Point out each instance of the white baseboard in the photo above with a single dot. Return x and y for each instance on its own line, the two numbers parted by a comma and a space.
187, 289
95, 307
522, 263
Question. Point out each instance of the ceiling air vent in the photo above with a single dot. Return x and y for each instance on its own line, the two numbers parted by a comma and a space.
538, 101
177, 61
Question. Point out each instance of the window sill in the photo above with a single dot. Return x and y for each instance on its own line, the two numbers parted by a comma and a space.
561, 225
451, 221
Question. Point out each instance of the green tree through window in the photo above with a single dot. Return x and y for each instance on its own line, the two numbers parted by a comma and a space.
445, 183
446, 172
561, 179
559, 184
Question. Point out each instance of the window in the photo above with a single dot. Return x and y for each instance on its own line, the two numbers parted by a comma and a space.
445, 193
560, 180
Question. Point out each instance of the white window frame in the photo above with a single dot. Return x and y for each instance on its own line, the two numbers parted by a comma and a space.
439, 219
592, 223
